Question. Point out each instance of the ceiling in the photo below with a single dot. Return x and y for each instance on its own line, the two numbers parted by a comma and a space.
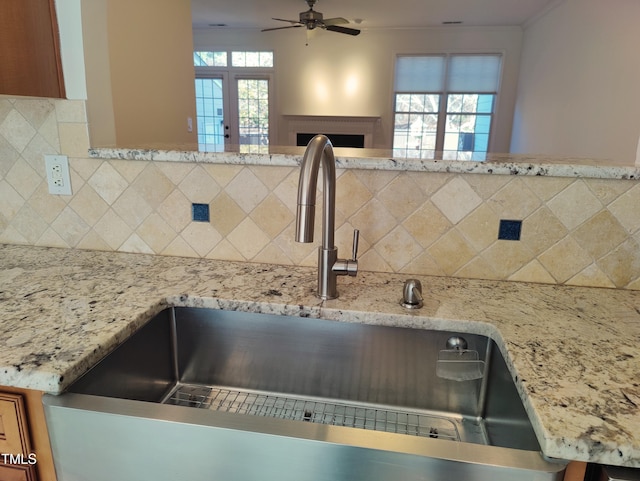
365, 14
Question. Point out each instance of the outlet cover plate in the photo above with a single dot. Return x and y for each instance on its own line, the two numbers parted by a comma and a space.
58, 178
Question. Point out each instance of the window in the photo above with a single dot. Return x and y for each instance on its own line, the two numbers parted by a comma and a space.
232, 100
445, 104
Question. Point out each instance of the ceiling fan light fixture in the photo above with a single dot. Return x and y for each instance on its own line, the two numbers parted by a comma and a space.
312, 19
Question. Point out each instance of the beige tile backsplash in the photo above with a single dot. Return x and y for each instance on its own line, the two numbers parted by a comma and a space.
574, 231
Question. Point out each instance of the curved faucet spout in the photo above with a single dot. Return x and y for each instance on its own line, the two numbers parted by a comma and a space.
320, 151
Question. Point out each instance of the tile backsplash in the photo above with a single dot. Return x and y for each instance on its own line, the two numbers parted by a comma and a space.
573, 231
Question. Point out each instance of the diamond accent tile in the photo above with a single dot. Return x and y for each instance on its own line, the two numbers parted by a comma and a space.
112, 229
88, 205
108, 183
11, 200
154, 187
456, 200
622, 264
248, 238
272, 216
156, 233
600, 234
591, 276
135, 244
478, 268
575, 204
480, 228
132, 208
225, 250
35, 111
23, 178
374, 220
398, 248
198, 186
402, 197
506, 257
565, 259
46, 205
225, 214
351, 194
427, 224
375, 180
541, 230
29, 224
8, 156
247, 190
625, 209
176, 210
17, 130
451, 252
548, 187
201, 236
70, 226
488, 187
533, 272
514, 201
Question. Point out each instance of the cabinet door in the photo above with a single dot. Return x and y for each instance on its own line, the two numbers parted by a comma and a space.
14, 434
17, 473
30, 49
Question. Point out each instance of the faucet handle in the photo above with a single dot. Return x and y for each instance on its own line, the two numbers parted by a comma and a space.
348, 267
356, 239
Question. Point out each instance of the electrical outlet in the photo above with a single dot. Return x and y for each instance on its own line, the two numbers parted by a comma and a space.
58, 179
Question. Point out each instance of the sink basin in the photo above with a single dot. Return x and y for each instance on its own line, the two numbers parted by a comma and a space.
245, 396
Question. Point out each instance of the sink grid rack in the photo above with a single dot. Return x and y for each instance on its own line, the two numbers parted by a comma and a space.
314, 410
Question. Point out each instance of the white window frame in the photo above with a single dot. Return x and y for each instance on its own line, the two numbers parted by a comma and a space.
444, 94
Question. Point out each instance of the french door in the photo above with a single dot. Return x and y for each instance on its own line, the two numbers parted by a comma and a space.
233, 114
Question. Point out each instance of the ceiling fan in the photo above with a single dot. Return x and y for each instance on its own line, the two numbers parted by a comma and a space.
313, 19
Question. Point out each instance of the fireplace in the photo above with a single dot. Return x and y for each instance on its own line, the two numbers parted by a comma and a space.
343, 131
337, 140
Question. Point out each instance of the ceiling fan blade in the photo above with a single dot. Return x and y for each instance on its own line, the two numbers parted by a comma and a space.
285, 20
335, 21
279, 28
337, 28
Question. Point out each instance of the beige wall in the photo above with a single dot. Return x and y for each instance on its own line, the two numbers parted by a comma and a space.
578, 88
574, 231
140, 73
319, 79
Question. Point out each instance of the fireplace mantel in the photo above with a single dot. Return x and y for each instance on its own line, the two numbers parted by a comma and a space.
328, 124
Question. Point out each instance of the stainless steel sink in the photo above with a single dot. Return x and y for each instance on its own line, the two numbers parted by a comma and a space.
204, 394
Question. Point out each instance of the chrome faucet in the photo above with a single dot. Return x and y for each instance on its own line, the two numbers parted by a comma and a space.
330, 267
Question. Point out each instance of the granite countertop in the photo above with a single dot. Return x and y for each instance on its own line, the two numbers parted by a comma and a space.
375, 159
573, 351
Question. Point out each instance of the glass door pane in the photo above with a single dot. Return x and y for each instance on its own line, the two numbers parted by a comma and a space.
253, 115
210, 105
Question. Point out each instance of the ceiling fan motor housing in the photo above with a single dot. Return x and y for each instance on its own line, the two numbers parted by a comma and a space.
311, 18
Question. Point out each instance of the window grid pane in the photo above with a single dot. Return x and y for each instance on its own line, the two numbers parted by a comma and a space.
209, 114
468, 124
210, 59
416, 125
252, 59
253, 115
467, 117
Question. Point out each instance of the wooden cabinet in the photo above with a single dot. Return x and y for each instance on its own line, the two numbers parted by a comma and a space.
575, 471
30, 49
25, 453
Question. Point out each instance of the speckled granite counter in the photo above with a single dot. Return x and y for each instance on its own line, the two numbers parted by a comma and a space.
372, 159
574, 352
